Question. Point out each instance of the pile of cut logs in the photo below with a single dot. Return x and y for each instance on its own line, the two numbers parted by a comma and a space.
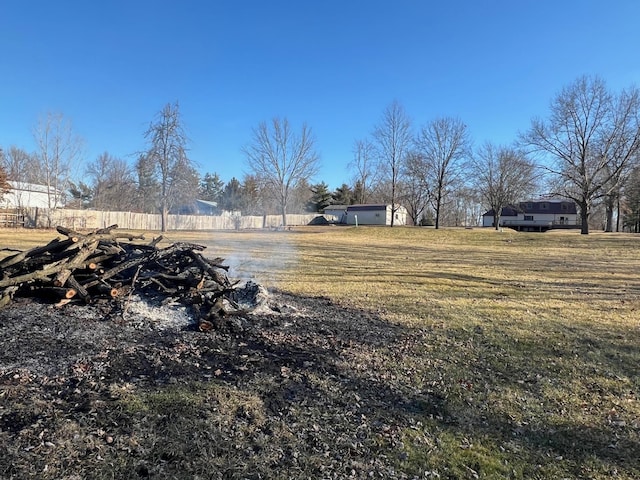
88, 267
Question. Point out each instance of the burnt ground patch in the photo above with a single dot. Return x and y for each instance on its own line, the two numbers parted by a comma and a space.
304, 389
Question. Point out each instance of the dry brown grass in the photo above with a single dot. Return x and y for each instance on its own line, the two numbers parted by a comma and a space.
522, 347
532, 338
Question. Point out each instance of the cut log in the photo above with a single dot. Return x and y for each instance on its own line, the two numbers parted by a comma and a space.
62, 277
209, 268
53, 246
70, 234
106, 290
82, 292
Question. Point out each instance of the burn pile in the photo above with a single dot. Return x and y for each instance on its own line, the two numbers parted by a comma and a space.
108, 266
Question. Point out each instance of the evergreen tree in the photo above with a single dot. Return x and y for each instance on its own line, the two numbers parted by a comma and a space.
4, 181
359, 195
321, 197
251, 197
81, 195
148, 185
343, 195
231, 198
211, 188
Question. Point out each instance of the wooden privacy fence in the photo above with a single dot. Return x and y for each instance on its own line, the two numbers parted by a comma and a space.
93, 219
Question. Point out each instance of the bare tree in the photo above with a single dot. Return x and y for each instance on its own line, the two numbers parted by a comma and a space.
621, 148
502, 176
416, 195
393, 139
58, 152
22, 168
19, 165
467, 207
363, 167
282, 159
301, 198
631, 211
443, 144
113, 183
589, 139
167, 153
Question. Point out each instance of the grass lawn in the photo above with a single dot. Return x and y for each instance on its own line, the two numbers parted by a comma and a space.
520, 350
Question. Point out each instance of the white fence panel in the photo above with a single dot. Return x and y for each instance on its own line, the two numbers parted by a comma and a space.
94, 219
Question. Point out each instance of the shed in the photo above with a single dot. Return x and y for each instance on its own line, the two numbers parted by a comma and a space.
375, 214
338, 212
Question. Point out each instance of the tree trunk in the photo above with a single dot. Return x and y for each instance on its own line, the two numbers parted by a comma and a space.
284, 216
438, 212
609, 204
393, 210
164, 215
584, 218
496, 221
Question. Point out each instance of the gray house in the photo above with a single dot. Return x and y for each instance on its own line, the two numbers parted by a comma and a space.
367, 214
536, 215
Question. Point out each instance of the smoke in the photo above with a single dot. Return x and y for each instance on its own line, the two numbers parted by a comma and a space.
259, 256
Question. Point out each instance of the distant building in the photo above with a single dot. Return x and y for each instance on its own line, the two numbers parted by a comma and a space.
536, 215
205, 207
30, 195
338, 212
366, 214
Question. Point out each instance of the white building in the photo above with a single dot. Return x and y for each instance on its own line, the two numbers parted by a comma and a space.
29, 195
375, 214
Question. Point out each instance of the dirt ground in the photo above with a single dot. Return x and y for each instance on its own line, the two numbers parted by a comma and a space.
94, 391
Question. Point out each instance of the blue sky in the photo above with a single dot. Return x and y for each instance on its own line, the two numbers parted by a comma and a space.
110, 66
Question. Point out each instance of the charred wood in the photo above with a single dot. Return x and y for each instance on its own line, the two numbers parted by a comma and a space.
85, 267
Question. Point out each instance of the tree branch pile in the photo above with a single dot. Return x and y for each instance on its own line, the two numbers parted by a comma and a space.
99, 266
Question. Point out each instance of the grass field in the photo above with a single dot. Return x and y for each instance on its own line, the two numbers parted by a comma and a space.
529, 342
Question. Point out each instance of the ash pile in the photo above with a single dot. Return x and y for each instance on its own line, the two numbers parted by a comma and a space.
107, 266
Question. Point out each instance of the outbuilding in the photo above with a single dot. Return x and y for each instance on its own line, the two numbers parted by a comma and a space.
338, 213
375, 214
31, 195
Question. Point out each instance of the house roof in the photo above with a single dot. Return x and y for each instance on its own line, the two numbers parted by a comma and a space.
336, 207
508, 211
207, 203
552, 206
31, 187
365, 207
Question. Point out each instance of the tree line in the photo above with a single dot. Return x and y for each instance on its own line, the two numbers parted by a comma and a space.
586, 150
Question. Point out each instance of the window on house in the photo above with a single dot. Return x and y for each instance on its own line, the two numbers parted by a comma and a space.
377, 214
564, 206
528, 217
544, 206
529, 206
